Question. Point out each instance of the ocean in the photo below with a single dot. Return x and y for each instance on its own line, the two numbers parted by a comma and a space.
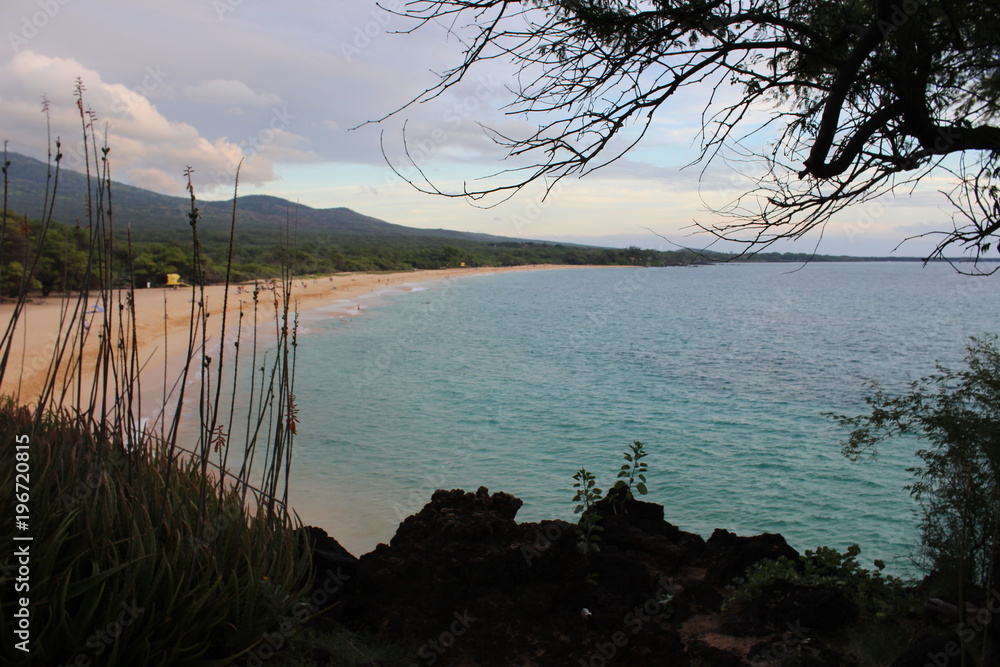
514, 381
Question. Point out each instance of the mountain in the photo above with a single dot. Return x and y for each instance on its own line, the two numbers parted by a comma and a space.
325, 240
332, 236
152, 215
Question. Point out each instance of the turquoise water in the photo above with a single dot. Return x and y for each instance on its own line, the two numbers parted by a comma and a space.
514, 381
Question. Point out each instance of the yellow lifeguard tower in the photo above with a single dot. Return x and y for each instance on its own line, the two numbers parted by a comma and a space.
174, 280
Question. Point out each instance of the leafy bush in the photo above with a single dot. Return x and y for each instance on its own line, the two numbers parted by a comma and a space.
126, 569
878, 596
958, 483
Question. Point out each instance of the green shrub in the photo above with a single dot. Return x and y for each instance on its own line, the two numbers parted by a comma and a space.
877, 595
127, 570
956, 413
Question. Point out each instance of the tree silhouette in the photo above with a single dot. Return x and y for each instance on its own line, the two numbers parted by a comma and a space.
865, 97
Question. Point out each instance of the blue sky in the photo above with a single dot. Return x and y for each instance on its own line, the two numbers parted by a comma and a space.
202, 83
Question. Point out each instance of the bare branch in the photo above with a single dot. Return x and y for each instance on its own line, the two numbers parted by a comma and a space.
864, 97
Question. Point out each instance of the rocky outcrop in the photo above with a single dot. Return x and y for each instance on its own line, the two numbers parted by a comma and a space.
465, 584
334, 568
731, 555
470, 585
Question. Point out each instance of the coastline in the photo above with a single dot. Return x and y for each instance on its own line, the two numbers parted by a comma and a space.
163, 318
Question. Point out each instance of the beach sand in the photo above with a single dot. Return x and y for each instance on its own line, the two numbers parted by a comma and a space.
163, 317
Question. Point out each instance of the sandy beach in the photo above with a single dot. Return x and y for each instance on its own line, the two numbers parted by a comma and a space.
163, 317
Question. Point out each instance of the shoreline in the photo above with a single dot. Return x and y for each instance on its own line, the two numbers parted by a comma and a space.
163, 317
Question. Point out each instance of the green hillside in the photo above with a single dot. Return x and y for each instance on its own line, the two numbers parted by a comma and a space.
161, 216
270, 233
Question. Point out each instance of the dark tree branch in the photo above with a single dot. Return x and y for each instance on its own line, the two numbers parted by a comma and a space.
868, 97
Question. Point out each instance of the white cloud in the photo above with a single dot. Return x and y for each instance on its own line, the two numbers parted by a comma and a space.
151, 179
281, 84
147, 148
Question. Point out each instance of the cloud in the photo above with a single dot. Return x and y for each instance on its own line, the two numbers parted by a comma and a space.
151, 179
147, 148
215, 95
230, 93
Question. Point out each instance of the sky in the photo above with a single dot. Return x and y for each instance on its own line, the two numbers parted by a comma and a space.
292, 90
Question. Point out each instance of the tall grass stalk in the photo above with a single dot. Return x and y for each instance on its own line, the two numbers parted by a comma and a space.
191, 536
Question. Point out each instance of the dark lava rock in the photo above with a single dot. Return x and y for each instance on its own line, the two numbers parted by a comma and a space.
465, 584
637, 530
645, 518
334, 567
462, 583
327, 552
731, 555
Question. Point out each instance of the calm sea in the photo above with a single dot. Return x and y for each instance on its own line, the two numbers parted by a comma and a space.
514, 381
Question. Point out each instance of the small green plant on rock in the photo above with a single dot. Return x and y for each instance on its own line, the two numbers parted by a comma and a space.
632, 474
587, 495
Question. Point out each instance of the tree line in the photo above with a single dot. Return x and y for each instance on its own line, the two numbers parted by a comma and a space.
63, 256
